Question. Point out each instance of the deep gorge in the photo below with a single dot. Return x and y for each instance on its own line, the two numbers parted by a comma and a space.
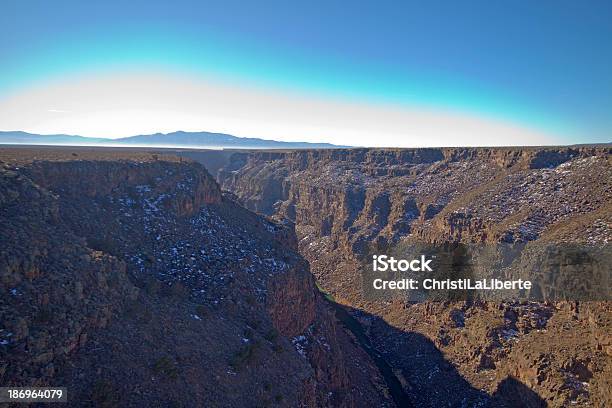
344, 202
136, 273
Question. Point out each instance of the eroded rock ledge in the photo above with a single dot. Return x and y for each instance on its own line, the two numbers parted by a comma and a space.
130, 279
346, 201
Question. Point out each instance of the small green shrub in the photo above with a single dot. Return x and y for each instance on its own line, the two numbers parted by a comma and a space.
44, 315
254, 323
248, 333
271, 335
201, 311
177, 291
152, 287
139, 311
166, 367
103, 244
251, 300
243, 356
104, 394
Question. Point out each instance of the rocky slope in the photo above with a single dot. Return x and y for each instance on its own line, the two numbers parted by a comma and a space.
346, 202
131, 280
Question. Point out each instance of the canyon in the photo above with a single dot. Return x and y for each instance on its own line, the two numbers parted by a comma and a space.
131, 280
166, 277
344, 203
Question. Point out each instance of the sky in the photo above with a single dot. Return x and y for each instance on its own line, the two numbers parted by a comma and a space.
369, 73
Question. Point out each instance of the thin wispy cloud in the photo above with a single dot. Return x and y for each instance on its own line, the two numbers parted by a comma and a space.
58, 111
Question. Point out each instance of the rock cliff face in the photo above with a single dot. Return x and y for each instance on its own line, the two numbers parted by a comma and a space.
131, 280
344, 202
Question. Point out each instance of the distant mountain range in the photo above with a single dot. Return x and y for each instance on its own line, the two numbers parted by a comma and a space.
174, 139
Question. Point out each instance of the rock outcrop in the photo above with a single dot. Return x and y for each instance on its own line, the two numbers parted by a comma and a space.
348, 201
129, 278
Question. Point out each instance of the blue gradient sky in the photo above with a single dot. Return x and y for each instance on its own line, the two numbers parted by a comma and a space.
543, 67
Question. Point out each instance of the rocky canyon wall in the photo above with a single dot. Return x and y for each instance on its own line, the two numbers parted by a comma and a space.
131, 280
348, 201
